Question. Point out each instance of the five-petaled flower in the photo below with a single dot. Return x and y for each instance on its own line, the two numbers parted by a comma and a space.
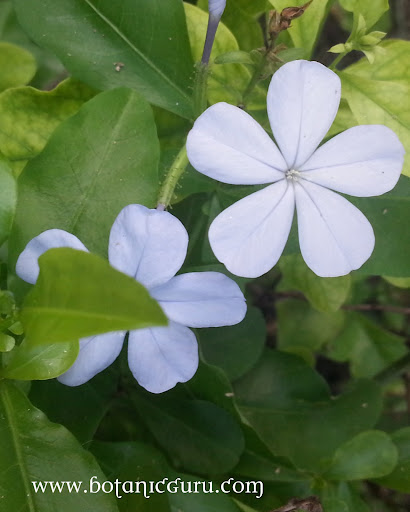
228, 145
150, 246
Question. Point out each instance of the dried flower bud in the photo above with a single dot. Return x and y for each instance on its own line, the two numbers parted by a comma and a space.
291, 13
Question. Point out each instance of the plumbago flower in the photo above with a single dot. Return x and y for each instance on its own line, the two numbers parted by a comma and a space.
150, 246
216, 7
230, 146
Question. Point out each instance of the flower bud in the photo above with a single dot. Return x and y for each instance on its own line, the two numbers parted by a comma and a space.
216, 7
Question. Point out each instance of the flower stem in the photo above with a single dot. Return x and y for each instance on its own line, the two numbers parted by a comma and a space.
213, 23
255, 79
200, 88
174, 174
336, 61
394, 370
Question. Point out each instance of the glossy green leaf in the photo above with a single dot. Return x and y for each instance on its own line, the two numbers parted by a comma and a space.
200, 436
388, 216
8, 200
39, 362
28, 116
368, 347
283, 399
141, 45
325, 294
235, 349
17, 66
79, 294
379, 93
399, 478
370, 454
35, 450
96, 162
303, 330
305, 30
371, 10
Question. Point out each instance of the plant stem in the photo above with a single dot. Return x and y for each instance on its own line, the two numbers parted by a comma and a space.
213, 23
336, 61
254, 79
200, 89
175, 172
393, 371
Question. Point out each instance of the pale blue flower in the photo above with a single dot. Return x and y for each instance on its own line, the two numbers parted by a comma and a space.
228, 145
217, 7
150, 246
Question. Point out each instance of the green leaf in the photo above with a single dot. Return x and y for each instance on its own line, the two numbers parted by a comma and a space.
399, 282
28, 116
368, 347
198, 435
388, 216
370, 454
283, 399
305, 30
96, 162
79, 294
211, 384
399, 478
371, 10
34, 449
10, 30
17, 66
8, 200
258, 463
80, 409
379, 93
325, 294
235, 57
134, 462
6, 342
39, 362
141, 45
303, 330
235, 349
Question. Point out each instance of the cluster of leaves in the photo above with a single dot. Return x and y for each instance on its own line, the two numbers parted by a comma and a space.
104, 138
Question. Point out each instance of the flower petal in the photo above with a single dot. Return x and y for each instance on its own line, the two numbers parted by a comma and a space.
362, 161
334, 236
228, 145
250, 235
148, 245
303, 99
202, 299
96, 354
161, 357
27, 264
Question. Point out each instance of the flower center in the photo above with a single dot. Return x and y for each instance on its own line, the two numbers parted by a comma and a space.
292, 175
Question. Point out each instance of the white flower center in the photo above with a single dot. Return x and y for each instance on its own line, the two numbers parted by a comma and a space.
292, 175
